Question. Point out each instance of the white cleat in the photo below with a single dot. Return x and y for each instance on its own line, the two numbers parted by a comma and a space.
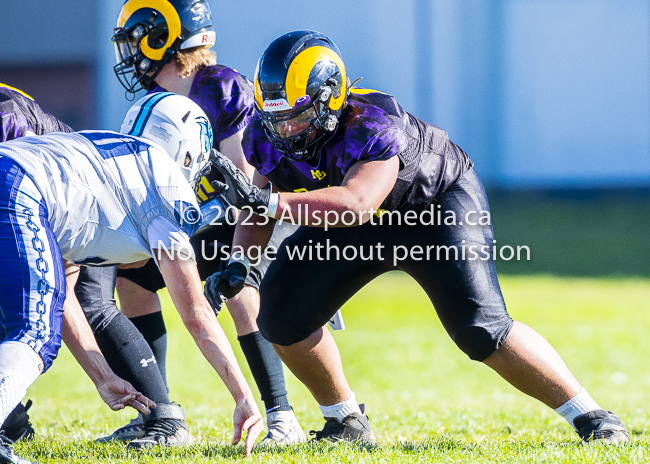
284, 429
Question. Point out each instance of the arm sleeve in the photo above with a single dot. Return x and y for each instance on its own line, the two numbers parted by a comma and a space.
235, 108
13, 126
166, 237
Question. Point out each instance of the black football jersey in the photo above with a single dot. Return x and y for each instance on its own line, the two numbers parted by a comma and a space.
372, 127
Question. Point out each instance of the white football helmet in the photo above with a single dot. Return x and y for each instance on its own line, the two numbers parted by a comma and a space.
175, 123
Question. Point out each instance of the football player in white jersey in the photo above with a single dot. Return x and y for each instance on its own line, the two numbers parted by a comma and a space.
101, 198
22, 116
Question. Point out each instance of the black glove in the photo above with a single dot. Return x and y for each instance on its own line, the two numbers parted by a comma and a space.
238, 188
225, 284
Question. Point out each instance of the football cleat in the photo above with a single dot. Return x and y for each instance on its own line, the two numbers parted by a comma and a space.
17, 426
7, 453
284, 429
354, 428
601, 426
131, 431
165, 426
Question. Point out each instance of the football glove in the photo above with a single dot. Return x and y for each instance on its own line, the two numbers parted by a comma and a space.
225, 284
238, 189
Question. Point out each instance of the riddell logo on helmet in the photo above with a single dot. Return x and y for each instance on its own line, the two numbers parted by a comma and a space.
276, 105
208, 39
199, 39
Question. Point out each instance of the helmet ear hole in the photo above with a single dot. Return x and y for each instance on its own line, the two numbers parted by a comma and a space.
188, 160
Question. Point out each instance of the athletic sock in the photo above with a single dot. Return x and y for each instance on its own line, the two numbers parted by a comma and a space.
580, 404
152, 328
20, 366
130, 357
341, 410
266, 368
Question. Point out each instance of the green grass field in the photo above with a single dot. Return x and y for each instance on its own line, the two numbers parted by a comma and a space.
426, 401
586, 289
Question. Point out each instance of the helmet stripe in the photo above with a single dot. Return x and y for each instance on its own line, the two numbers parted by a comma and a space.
168, 12
145, 112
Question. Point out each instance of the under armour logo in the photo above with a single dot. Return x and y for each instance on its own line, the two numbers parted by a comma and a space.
318, 174
145, 362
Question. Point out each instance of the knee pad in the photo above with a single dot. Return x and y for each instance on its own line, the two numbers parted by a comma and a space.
480, 341
272, 330
284, 320
278, 330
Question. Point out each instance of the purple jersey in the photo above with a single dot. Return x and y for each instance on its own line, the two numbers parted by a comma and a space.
228, 100
372, 127
19, 114
226, 97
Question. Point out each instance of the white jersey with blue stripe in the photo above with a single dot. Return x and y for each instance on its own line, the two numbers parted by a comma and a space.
102, 189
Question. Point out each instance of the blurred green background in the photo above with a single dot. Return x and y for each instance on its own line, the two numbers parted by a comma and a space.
575, 233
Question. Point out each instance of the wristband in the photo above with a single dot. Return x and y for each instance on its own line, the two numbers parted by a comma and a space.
240, 258
274, 202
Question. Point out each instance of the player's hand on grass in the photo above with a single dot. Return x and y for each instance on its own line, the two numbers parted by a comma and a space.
225, 284
117, 393
247, 418
238, 189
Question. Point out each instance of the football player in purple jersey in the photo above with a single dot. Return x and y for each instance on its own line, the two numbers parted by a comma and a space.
166, 46
353, 153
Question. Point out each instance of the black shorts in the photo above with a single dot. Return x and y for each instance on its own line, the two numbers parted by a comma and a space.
298, 296
208, 259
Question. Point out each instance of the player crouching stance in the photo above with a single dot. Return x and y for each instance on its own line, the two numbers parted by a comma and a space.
314, 131
104, 198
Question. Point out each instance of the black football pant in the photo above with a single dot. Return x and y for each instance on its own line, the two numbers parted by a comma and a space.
299, 296
126, 351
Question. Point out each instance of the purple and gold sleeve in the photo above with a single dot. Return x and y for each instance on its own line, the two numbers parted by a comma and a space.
19, 114
13, 126
227, 98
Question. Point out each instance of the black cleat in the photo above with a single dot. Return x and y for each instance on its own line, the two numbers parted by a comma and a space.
7, 453
131, 431
165, 426
17, 426
354, 428
601, 426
